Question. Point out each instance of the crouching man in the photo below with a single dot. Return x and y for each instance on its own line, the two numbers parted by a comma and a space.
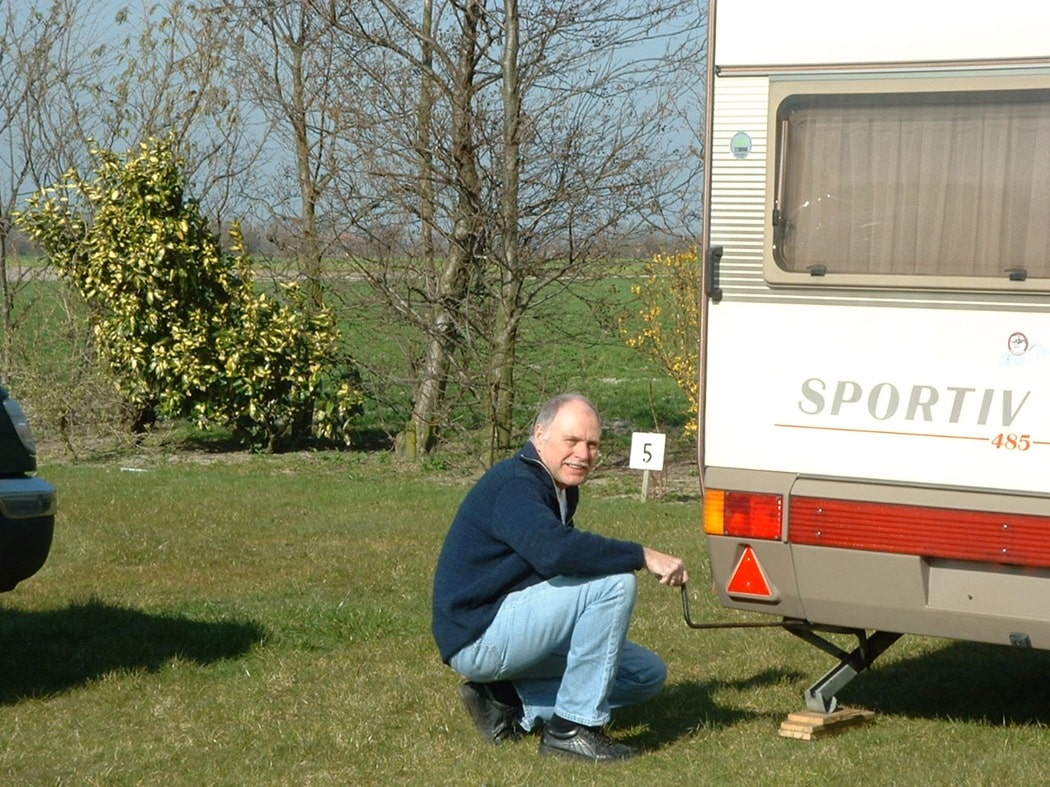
534, 612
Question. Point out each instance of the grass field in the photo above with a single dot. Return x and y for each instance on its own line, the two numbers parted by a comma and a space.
211, 618
237, 619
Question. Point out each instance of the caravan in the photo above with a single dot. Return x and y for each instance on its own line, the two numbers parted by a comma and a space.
874, 439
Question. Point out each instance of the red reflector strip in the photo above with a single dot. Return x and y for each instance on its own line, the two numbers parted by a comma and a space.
748, 578
1014, 539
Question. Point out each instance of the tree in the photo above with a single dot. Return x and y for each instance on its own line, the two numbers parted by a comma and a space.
171, 74
179, 322
421, 177
466, 158
466, 236
508, 315
37, 46
545, 142
288, 70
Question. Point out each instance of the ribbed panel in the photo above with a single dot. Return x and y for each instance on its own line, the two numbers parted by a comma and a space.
738, 186
1012, 539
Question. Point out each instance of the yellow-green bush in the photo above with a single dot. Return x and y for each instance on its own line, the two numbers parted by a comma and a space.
669, 327
178, 321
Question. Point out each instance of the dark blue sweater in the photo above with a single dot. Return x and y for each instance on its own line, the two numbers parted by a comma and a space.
508, 535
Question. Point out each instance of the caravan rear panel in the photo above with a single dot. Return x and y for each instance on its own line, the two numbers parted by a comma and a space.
875, 359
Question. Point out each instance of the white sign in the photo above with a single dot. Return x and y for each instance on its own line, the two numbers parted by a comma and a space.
647, 451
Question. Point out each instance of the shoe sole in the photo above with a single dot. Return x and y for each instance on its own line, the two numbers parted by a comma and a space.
565, 754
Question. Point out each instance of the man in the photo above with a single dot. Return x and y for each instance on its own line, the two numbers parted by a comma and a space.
534, 612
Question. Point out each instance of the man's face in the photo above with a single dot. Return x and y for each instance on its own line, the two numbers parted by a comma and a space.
569, 446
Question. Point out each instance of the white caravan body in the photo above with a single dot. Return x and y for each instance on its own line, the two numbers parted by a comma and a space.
875, 356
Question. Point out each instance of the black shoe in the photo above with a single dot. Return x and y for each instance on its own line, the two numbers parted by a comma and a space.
586, 743
495, 720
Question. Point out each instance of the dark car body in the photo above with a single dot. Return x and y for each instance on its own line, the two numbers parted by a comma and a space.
27, 503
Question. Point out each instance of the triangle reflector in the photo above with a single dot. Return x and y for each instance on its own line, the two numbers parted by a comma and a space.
748, 578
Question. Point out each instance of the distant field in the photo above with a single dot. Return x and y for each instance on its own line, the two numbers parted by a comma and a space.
570, 342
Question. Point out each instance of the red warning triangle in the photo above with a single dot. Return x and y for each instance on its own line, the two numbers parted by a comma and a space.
748, 578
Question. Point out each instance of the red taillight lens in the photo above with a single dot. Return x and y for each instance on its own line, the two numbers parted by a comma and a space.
743, 514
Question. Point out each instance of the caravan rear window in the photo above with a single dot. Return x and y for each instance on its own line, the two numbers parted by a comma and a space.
942, 184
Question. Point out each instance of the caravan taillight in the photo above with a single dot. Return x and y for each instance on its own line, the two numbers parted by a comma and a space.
743, 514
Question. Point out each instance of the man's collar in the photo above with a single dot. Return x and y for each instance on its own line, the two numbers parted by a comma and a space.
531, 455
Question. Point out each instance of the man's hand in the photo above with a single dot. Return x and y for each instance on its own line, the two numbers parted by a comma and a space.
667, 568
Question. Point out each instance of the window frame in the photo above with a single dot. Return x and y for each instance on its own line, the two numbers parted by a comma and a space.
789, 87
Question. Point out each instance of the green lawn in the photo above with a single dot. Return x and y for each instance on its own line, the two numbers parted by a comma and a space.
241, 619
210, 618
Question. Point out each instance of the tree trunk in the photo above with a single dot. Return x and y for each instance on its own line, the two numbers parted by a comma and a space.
445, 334
428, 392
501, 372
6, 299
309, 188
427, 212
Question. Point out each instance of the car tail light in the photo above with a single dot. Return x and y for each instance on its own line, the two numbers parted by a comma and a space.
743, 514
20, 424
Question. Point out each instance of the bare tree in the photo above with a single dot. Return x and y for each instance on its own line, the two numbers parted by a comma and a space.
468, 157
590, 110
508, 313
423, 178
39, 61
543, 142
467, 239
288, 69
178, 78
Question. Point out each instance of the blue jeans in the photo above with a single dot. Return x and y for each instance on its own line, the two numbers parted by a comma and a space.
563, 644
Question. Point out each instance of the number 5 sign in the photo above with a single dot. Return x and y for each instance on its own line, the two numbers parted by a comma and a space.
647, 451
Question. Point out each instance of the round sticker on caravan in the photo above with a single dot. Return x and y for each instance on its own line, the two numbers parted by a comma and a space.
1017, 343
740, 144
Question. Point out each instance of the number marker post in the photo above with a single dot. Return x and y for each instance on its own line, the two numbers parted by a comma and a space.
647, 454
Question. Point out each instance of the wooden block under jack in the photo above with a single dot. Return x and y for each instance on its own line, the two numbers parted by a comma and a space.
809, 725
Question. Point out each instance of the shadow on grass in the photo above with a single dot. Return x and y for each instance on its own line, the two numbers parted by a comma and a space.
52, 651
961, 681
964, 681
684, 708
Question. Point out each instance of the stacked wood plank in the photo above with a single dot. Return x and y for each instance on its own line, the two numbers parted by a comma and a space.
810, 725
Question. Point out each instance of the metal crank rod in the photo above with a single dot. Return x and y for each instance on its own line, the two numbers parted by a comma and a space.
743, 624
